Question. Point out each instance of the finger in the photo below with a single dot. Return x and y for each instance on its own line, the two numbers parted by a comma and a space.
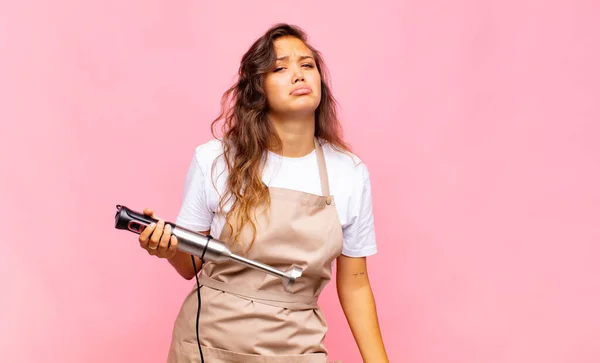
150, 213
163, 245
172, 249
145, 235
155, 238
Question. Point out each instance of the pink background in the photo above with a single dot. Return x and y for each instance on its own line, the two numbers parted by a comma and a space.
479, 122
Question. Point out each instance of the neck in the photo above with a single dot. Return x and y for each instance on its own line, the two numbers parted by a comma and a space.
296, 133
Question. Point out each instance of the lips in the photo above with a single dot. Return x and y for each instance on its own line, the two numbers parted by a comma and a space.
301, 90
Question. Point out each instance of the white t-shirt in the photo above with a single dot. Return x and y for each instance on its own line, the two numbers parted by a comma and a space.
349, 184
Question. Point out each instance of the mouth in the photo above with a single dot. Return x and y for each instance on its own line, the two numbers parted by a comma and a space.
301, 90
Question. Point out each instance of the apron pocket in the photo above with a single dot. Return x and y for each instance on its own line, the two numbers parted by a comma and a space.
188, 353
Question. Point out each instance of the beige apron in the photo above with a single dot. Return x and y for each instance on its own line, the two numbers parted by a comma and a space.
246, 315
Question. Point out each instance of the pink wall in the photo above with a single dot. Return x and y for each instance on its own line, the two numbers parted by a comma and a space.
479, 122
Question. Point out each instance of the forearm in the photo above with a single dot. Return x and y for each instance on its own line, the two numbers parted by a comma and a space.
360, 310
182, 262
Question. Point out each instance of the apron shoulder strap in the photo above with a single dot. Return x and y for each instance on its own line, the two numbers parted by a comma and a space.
322, 168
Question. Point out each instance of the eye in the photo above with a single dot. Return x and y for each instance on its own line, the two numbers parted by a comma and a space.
308, 65
277, 69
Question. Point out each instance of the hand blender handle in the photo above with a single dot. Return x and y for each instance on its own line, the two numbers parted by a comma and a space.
133, 221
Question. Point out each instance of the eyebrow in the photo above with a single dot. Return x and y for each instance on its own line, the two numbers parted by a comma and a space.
302, 57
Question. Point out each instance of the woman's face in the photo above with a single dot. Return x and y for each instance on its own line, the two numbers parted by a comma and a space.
293, 88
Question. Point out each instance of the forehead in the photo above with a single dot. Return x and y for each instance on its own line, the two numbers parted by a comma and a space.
290, 46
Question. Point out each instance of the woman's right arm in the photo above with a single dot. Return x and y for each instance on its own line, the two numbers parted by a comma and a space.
158, 241
182, 262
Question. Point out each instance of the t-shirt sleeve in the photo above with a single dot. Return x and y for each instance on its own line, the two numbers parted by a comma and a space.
195, 213
359, 233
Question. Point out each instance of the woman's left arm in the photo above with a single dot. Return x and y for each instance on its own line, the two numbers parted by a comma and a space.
358, 304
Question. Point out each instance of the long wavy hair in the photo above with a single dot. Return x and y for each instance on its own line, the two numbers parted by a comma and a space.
248, 133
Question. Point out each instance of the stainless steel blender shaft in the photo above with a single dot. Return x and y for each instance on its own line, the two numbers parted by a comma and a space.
211, 249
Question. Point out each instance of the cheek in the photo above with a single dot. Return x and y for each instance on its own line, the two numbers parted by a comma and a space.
317, 85
316, 81
316, 77
273, 90
270, 89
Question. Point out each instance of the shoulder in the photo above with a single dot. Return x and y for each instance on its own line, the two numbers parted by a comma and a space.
209, 150
345, 164
206, 153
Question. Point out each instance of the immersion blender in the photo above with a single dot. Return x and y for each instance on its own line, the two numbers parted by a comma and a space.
197, 244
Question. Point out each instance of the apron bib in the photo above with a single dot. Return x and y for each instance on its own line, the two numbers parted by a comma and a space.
246, 315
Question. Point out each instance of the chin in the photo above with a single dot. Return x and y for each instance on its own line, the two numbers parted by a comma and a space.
307, 109
304, 104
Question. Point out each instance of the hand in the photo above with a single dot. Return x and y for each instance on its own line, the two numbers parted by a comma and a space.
157, 238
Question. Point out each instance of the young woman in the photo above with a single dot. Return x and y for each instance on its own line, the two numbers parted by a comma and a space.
267, 188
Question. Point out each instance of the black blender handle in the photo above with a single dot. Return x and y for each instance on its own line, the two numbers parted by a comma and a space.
134, 221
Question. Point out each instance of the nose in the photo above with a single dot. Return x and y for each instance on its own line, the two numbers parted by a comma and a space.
298, 75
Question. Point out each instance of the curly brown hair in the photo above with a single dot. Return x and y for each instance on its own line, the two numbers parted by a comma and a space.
248, 133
